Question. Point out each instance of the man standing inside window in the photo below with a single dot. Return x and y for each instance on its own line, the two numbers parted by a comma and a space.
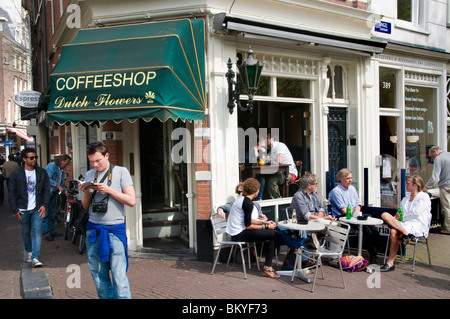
106, 243
441, 177
29, 195
55, 171
279, 155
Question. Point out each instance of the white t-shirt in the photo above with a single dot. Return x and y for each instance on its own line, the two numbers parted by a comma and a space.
31, 188
281, 148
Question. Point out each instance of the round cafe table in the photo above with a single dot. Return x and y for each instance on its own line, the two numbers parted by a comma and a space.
312, 226
361, 223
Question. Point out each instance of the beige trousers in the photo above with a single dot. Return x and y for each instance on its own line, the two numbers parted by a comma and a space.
444, 196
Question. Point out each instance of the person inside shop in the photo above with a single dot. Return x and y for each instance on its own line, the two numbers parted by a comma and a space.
55, 171
241, 226
29, 196
279, 155
416, 221
345, 194
106, 191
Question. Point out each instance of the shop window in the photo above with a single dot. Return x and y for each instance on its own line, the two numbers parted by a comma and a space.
387, 87
420, 129
336, 76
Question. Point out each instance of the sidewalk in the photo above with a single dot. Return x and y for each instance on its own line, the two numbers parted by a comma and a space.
155, 276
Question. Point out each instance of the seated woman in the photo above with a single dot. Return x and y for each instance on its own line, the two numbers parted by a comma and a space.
416, 219
241, 226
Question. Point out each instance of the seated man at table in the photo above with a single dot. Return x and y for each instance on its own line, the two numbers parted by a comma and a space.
345, 194
305, 201
279, 155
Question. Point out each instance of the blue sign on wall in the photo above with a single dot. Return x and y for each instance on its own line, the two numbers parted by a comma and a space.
9, 143
384, 27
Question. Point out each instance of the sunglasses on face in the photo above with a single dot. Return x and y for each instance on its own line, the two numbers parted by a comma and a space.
32, 158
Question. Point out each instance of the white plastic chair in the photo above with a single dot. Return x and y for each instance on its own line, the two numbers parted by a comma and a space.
333, 246
219, 228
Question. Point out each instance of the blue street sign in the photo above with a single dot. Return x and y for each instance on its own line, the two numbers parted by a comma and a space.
9, 143
384, 27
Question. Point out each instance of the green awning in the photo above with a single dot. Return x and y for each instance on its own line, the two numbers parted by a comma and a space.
147, 70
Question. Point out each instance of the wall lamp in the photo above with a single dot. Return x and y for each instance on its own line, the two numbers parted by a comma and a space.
250, 73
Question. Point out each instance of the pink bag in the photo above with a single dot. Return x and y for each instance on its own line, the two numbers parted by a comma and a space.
354, 263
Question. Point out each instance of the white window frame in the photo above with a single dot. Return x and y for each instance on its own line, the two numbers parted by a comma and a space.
418, 8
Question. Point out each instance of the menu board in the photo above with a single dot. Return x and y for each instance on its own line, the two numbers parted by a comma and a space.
418, 107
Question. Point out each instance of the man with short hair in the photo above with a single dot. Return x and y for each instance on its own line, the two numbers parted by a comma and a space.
345, 194
441, 177
55, 171
29, 196
279, 154
306, 202
110, 189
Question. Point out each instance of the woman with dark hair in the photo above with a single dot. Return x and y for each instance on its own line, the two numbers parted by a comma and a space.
416, 221
241, 226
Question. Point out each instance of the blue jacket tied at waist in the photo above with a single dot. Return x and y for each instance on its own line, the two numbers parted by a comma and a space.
102, 233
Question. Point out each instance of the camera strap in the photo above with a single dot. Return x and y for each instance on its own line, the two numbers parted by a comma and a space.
109, 175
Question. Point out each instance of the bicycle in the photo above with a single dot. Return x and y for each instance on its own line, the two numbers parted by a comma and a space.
80, 230
71, 211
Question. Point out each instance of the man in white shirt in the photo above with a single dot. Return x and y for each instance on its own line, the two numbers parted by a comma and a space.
279, 154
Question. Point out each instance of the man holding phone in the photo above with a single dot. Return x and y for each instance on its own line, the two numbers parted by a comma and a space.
106, 244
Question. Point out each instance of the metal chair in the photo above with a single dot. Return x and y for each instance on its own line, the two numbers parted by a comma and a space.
334, 244
219, 228
415, 249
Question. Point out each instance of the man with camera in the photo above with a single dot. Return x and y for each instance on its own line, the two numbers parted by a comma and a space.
106, 191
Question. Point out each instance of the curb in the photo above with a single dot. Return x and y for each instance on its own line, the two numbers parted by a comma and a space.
34, 285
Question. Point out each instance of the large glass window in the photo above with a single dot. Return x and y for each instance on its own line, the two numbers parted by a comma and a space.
420, 129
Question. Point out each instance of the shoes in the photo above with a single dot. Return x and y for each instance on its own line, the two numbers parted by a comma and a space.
386, 268
49, 238
270, 273
55, 234
28, 257
406, 239
445, 231
36, 263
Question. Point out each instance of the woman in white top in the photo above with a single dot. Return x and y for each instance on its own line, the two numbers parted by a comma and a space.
241, 226
416, 219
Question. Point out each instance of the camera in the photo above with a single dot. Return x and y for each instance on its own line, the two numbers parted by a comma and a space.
100, 207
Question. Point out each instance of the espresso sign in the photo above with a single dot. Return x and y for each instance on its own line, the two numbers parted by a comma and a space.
27, 99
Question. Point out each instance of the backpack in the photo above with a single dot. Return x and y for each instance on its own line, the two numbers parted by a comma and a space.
354, 263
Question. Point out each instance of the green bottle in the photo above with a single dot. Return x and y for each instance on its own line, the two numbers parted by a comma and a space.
348, 215
400, 214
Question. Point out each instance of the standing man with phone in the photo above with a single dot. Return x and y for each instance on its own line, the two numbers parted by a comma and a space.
29, 195
106, 243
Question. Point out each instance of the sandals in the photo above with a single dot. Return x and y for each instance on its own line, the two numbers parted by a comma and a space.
270, 273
